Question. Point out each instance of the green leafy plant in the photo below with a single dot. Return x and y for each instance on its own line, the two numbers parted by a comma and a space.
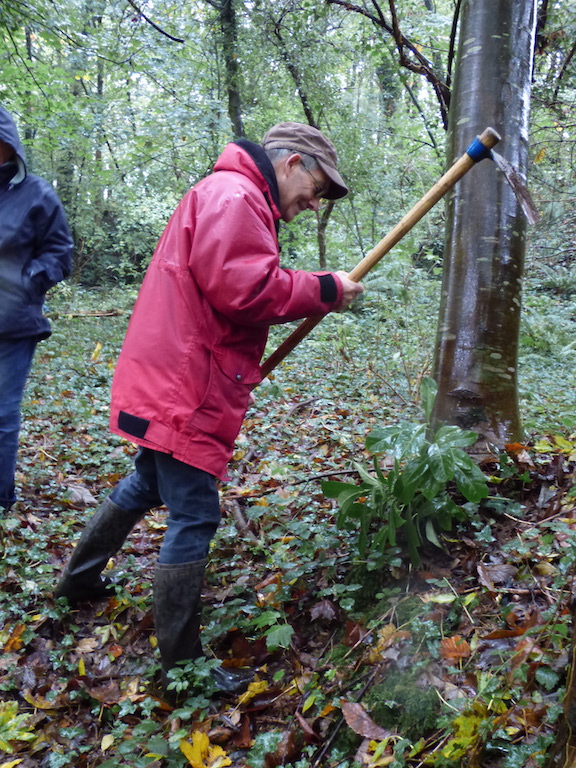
414, 494
13, 727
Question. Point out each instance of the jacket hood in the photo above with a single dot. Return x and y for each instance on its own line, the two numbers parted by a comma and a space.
251, 160
9, 134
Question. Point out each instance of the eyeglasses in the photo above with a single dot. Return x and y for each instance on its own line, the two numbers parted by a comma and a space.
319, 190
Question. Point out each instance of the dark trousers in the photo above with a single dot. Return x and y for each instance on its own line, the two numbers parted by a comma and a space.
15, 361
190, 495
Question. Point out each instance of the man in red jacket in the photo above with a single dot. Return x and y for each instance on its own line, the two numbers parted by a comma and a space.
191, 358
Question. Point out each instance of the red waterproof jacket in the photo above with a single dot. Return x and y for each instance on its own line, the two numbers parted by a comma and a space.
197, 334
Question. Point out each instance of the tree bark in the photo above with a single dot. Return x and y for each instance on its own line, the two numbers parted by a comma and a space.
228, 26
562, 754
476, 350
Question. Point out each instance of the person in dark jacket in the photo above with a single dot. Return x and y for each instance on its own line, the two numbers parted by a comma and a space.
35, 254
191, 358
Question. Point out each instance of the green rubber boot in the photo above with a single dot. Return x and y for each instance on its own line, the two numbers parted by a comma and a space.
177, 609
102, 537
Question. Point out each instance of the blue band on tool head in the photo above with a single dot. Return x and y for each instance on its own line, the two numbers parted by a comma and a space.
477, 151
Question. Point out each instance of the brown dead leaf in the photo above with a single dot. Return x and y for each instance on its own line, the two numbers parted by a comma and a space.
484, 577
87, 645
361, 723
288, 748
115, 650
325, 609
108, 693
15, 641
500, 573
80, 495
527, 648
386, 637
242, 738
454, 648
309, 733
355, 633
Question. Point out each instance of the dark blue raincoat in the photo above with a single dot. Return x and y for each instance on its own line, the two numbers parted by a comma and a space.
35, 243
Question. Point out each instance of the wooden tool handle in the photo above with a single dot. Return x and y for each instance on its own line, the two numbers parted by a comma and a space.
478, 150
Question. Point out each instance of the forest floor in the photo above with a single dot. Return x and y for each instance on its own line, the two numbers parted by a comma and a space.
361, 660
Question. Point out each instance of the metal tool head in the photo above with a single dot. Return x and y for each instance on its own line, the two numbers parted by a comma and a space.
518, 187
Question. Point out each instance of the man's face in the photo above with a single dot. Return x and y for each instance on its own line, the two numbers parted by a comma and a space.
300, 190
6, 152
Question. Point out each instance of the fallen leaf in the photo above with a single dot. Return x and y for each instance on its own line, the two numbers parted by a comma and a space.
15, 641
115, 650
106, 742
436, 597
325, 609
361, 723
109, 693
453, 648
289, 747
500, 573
87, 645
309, 733
484, 577
80, 495
202, 754
365, 756
39, 702
354, 633
254, 689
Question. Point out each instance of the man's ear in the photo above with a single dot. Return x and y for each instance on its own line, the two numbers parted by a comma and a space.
286, 165
292, 162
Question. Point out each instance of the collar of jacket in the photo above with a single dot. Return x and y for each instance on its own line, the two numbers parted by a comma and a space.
7, 173
265, 167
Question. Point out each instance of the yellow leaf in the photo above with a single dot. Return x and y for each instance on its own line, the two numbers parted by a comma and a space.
563, 444
195, 752
39, 702
309, 701
202, 754
540, 156
446, 597
96, 354
81, 667
106, 742
254, 689
11, 763
544, 568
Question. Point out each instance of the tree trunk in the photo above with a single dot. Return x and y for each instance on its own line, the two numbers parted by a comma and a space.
562, 753
228, 26
477, 339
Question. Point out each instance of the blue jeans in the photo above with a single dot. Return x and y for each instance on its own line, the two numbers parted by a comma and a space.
190, 495
15, 361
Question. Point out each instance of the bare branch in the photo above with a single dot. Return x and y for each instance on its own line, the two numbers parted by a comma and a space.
155, 26
415, 61
562, 72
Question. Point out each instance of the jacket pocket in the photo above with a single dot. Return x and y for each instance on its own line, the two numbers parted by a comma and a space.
221, 412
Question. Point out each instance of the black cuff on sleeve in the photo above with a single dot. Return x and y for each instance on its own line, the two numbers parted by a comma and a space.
328, 288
